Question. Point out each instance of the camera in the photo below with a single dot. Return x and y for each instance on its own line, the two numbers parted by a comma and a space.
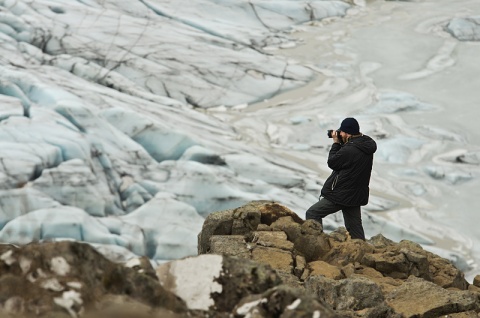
330, 133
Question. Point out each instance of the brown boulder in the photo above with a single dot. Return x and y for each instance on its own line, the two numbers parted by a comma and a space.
476, 281
233, 245
445, 274
277, 239
474, 288
218, 223
420, 298
240, 280
324, 269
311, 242
289, 226
242, 221
283, 301
278, 259
276, 244
272, 211
348, 252
379, 241
386, 284
355, 293
352, 277
55, 278
407, 258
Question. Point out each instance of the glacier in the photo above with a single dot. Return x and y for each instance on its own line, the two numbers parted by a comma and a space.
123, 124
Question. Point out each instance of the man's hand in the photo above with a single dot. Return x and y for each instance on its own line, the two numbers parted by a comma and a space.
336, 137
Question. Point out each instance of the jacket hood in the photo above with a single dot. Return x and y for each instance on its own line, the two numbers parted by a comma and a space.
365, 144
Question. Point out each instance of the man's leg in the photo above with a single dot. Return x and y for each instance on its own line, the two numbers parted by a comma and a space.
321, 209
353, 222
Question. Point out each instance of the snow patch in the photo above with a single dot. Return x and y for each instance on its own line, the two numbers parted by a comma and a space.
60, 266
8, 258
245, 308
76, 285
68, 301
133, 262
210, 267
52, 284
25, 264
294, 305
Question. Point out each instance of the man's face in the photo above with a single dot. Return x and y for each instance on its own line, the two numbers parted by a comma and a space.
344, 135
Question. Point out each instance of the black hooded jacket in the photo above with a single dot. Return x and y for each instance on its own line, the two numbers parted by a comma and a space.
352, 167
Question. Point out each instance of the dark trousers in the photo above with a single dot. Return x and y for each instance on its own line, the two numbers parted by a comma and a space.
351, 216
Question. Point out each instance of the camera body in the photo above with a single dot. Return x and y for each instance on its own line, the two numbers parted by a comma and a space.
330, 133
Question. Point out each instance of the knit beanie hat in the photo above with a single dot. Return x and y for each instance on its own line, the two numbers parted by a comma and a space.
350, 126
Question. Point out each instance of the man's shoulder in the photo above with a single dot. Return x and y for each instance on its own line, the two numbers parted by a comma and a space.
362, 143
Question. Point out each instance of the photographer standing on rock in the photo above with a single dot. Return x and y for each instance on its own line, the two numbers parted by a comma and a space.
346, 189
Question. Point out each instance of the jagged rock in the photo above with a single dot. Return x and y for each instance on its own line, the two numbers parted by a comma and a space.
257, 261
142, 265
408, 258
348, 252
306, 236
218, 223
235, 233
233, 245
218, 282
300, 265
320, 286
354, 293
245, 220
476, 281
287, 225
352, 277
273, 211
69, 278
395, 265
240, 280
386, 284
240, 221
420, 298
340, 235
357, 293
445, 274
380, 241
291, 280
277, 258
311, 241
324, 269
474, 288
122, 280
282, 301
275, 239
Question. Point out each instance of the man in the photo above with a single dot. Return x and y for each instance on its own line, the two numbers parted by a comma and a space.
346, 189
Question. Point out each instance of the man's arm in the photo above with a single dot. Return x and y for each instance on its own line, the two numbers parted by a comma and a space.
334, 159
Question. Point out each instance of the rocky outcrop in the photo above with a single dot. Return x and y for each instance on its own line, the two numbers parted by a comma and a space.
352, 278
258, 261
71, 279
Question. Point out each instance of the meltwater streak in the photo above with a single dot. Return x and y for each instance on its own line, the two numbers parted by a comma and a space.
415, 89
